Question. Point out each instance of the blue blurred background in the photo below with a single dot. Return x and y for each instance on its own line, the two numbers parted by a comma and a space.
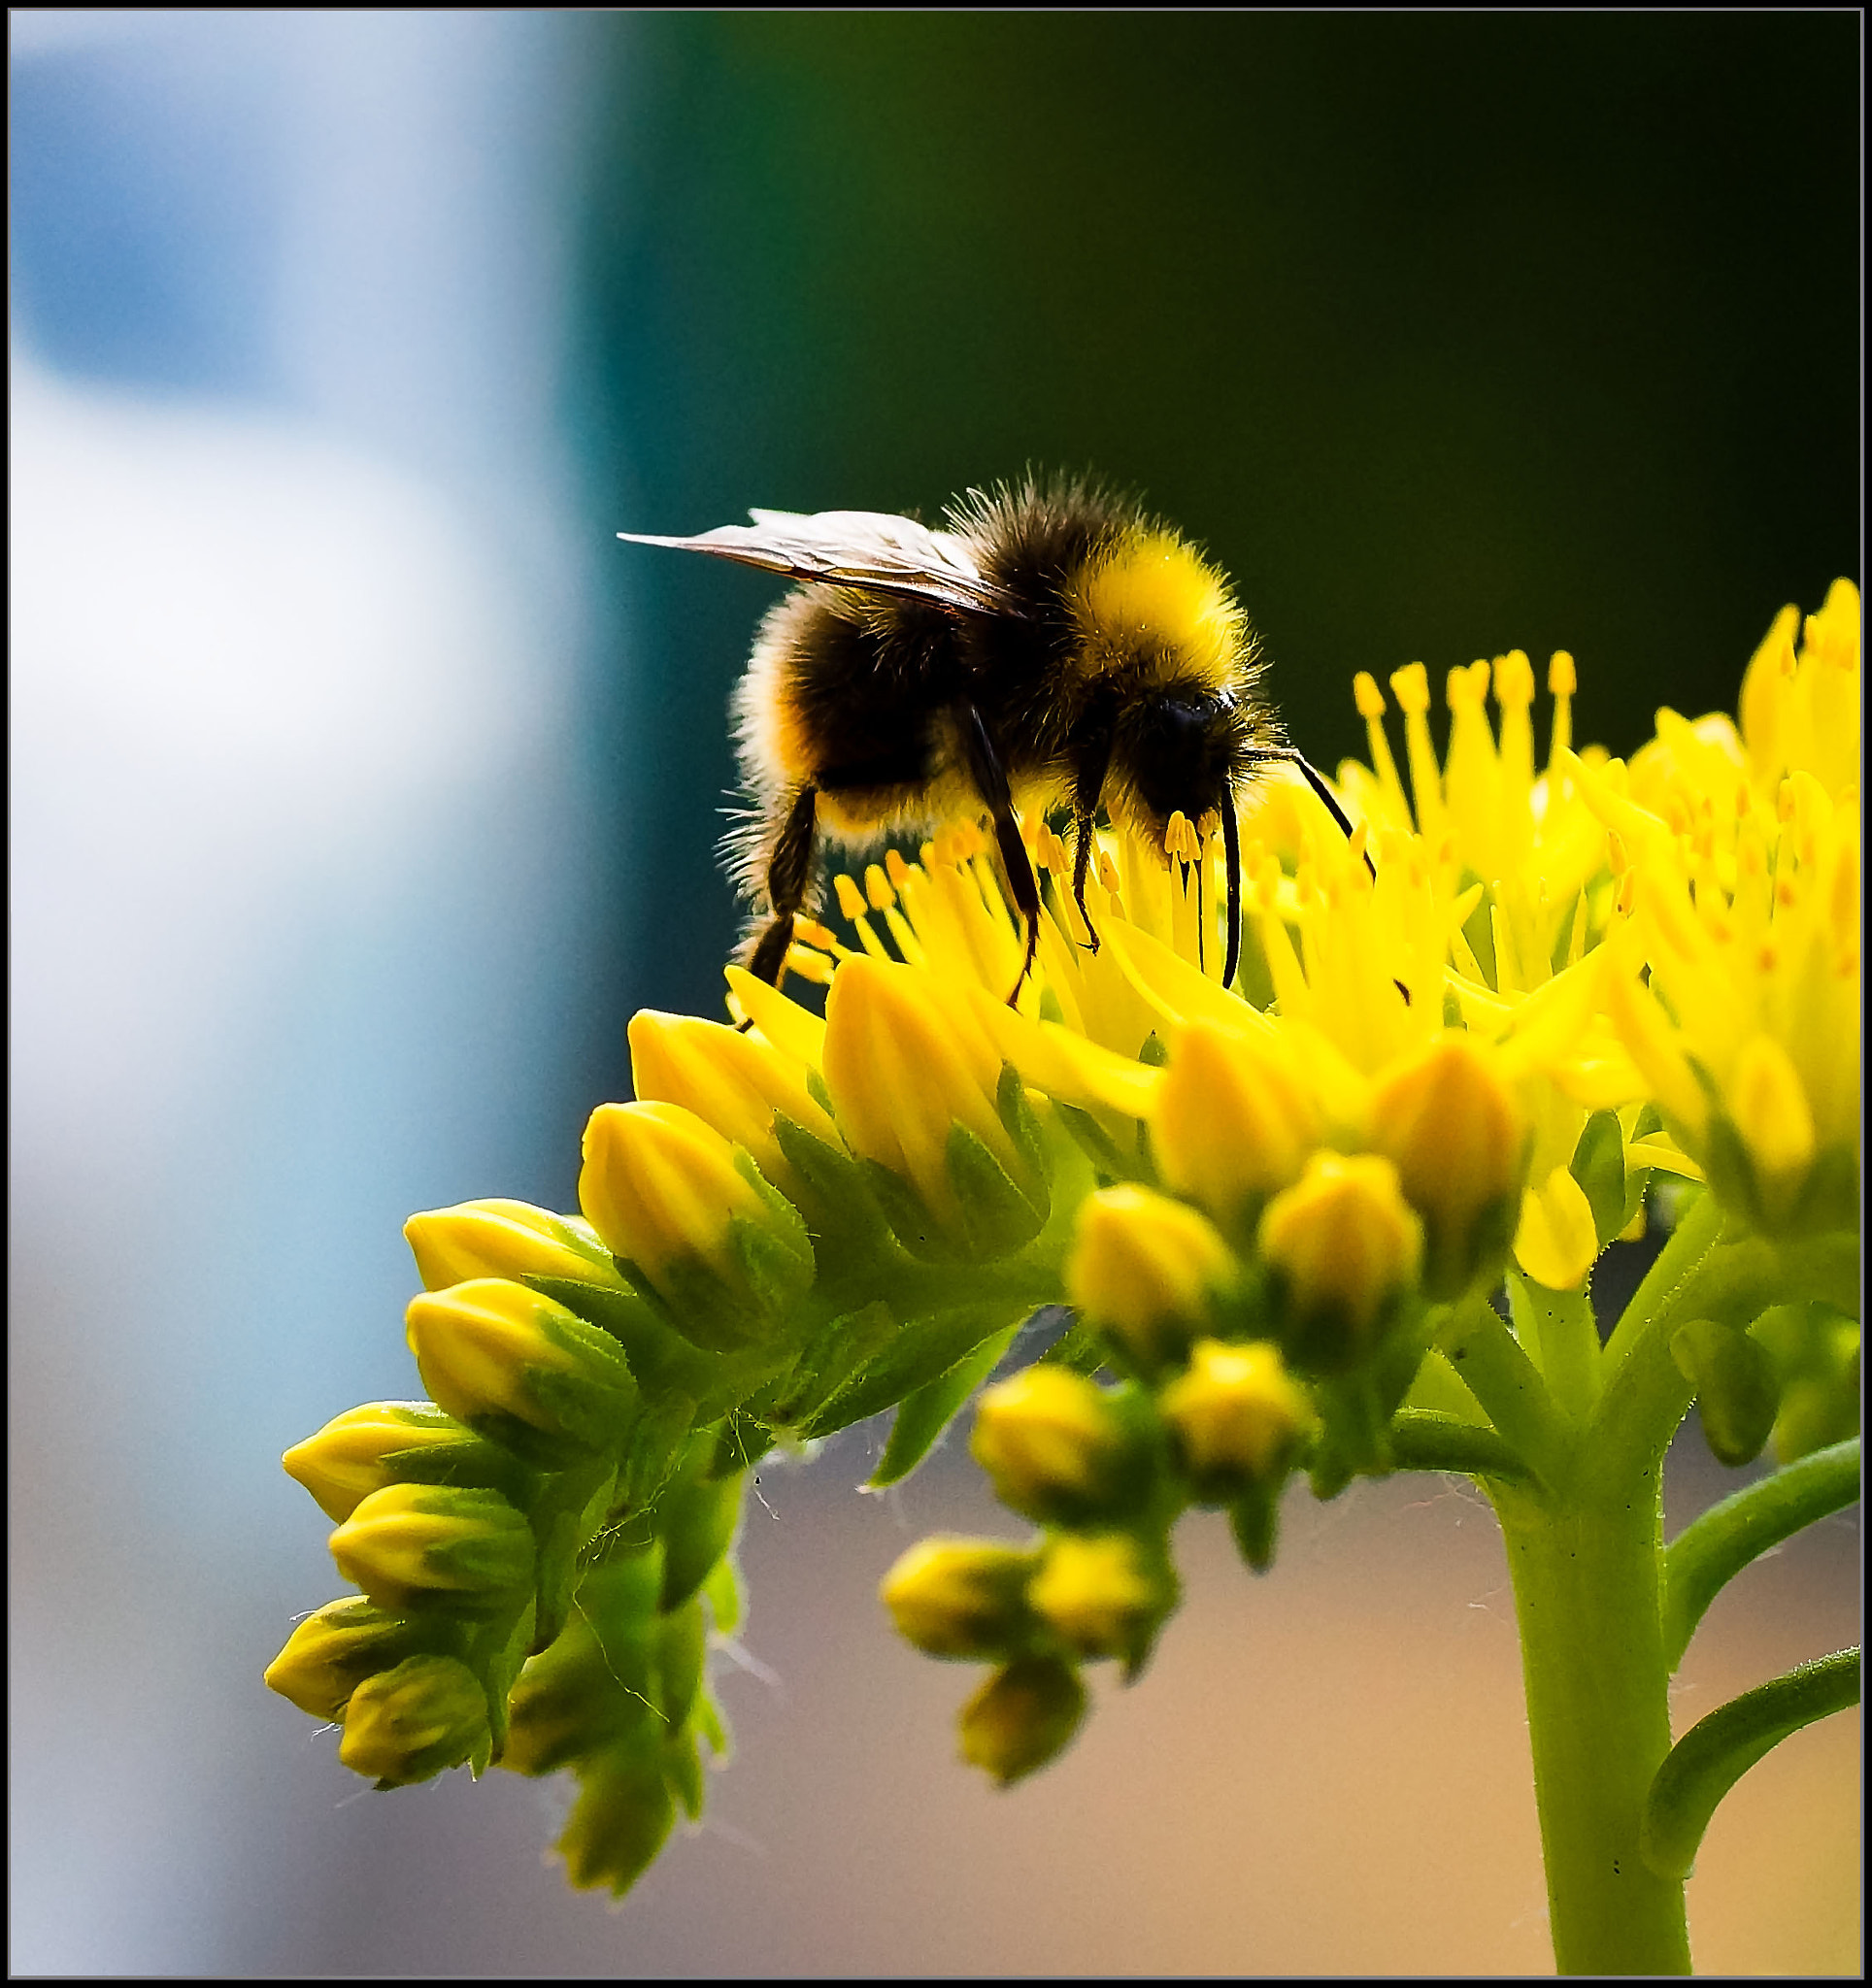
362, 785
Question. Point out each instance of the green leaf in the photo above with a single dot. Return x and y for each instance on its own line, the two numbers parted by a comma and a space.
923, 1414
1719, 1749
1737, 1393
1714, 1548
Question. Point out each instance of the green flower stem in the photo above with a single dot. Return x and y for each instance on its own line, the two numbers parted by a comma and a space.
1585, 1560
1560, 1324
1690, 1242
1505, 1381
1711, 1550
1422, 1440
1719, 1749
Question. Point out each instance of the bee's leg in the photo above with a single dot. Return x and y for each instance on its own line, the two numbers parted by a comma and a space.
1082, 846
790, 870
991, 780
1232, 873
1091, 760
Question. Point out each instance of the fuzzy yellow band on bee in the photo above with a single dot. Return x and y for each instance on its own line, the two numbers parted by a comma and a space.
1152, 598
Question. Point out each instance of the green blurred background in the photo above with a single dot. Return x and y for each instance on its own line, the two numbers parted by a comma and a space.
363, 785
1446, 334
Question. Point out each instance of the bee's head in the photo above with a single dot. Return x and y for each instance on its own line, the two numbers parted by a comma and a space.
1180, 749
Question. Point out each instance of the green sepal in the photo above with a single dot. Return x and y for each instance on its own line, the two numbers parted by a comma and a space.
1598, 1164
654, 1448
1014, 1110
775, 1256
564, 1522
621, 1819
481, 1460
1081, 1347
1355, 1438
1154, 1051
682, 1650
1110, 1160
1737, 1393
920, 1352
496, 1655
449, 1751
682, 1772
481, 1569
832, 1356
710, 1725
997, 1216
726, 1596
911, 1222
1816, 1352
698, 1523
660, 1359
927, 1412
617, 1603
740, 1442
355, 1639
844, 1211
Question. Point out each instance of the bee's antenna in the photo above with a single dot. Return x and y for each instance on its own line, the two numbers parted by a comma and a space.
1313, 778
1232, 871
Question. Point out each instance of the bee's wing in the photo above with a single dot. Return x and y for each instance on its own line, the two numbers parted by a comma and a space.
858, 549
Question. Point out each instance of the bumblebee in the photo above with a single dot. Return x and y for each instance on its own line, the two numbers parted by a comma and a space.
1050, 647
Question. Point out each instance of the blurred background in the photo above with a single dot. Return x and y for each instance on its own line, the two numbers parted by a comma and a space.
362, 784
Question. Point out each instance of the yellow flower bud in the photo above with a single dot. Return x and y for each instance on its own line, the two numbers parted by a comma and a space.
1343, 1243
1104, 1595
358, 1452
1022, 1717
497, 1355
1146, 1268
435, 1543
503, 1239
725, 1251
1447, 1121
410, 1723
906, 1067
1238, 1416
733, 1082
332, 1652
1234, 1121
960, 1598
1058, 1447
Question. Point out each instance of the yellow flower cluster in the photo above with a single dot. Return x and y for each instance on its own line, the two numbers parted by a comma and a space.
1461, 1041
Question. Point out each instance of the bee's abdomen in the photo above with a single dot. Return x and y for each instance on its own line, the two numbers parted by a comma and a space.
843, 692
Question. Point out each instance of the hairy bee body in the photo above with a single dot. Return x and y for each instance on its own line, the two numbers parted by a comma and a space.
1049, 648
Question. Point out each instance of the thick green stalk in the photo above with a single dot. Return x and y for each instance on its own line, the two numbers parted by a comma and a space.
1585, 1562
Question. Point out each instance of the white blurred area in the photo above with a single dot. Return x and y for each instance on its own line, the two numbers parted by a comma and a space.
299, 873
